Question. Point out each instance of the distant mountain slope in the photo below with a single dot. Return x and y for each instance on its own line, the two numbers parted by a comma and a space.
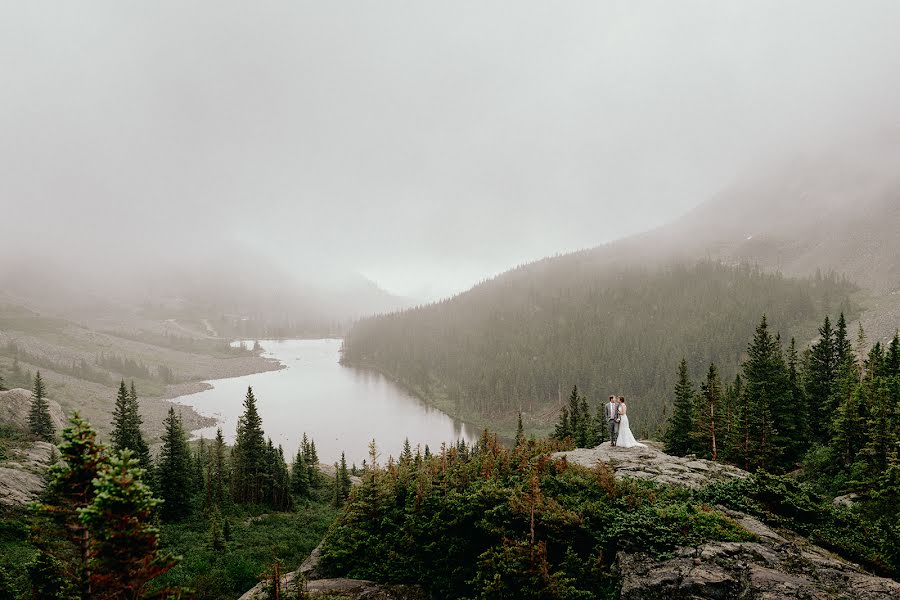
523, 339
837, 212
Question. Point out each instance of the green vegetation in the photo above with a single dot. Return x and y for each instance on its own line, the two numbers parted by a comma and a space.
489, 521
126, 424
39, 422
832, 411
516, 342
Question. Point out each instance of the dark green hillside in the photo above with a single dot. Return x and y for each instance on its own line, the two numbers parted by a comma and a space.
520, 341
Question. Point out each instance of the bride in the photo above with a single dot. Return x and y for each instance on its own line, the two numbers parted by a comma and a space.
625, 439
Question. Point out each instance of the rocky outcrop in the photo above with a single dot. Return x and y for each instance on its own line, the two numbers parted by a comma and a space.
351, 589
22, 477
309, 578
653, 464
15, 405
770, 568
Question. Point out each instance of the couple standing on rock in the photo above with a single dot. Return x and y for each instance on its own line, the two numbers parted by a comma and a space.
619, 430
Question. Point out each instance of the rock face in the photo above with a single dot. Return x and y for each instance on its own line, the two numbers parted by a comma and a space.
653, 464
15, 405
22, 477
768, 569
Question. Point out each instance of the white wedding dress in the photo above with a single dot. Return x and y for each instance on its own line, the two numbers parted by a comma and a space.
625, 438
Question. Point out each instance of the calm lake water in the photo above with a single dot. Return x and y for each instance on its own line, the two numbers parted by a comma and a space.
341, 408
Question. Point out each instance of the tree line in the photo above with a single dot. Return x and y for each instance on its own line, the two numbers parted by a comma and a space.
519, 341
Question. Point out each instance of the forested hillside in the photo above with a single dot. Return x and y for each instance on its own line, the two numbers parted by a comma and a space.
520, 341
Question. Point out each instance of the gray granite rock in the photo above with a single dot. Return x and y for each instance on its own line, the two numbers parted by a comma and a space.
651, 463
767, 569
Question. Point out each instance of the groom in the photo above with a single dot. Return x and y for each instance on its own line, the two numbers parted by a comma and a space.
612, 415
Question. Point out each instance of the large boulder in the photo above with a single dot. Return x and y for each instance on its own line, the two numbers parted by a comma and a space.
770, 568
15, 405
653, 464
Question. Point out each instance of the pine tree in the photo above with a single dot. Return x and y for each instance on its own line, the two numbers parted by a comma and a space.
218, 471
790, 422
820, 374
336, 498
300, 476
126, 424
677, 438
406, 455
563, 428
707, 410
584, 438
174, 476
39, 421
892, 358
766, 389
575, 427
125, 554
343, 476
520, 431
249, 465
59, 532
217, 540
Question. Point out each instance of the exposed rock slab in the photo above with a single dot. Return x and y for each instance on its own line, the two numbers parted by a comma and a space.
653, 464
768, 569
22, 477
15, 405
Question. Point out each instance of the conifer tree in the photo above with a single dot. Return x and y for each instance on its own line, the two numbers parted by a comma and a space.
790, 426
300, 476
343, 476
707, 412
583, 434
892, 357
336, 497
125, 554
677, 438
126, 424
174, 475
406, 455
820, 374
575, 427
2, 385
766, 387
59, 532
731, 406
520, 431
39, 421
49, 580
218, 471
249, 454
563, 428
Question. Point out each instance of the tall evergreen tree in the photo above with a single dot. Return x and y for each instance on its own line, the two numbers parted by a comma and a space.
126, 424
790, 427
563, 428
575, 426
820, 375
174, 475
707, 414
677, 438
249, 464
125, 554
218, 471
59, 532
343, 476
766, 392
300, 475
520, 431
39, 421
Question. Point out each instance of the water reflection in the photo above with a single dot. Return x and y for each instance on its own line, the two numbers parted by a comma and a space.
342, 408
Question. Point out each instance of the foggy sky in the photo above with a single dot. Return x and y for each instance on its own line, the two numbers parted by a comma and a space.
425, 145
